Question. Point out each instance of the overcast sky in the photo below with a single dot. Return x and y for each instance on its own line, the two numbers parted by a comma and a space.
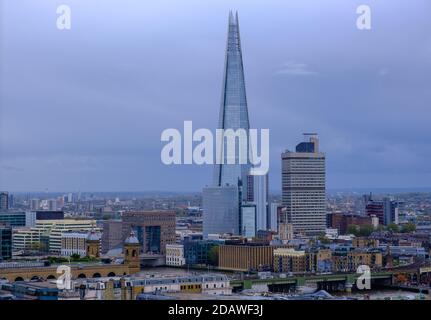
83, 109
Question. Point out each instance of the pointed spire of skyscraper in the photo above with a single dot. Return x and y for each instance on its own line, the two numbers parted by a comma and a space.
233, 109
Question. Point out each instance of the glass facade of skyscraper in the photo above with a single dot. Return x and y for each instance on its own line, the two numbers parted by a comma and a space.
233, 110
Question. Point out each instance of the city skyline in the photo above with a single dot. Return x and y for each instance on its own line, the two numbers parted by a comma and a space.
83, 122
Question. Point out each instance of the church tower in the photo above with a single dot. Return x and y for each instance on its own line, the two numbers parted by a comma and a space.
93, 244
131, 253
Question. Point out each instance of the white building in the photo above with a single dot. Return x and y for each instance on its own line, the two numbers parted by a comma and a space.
216, 285
50, 231
175, 255
331, 233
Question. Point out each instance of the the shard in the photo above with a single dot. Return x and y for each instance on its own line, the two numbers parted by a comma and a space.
222, 202
233, 109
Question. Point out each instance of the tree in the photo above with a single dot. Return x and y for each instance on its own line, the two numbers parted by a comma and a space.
75, 257
380, 228
366, 230
213, 256
393, 227
353, 229
408, 227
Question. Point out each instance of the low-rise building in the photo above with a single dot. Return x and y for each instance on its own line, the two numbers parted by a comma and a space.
319, 260
74, 243
200, 284
246, 257
48, 232
350, 261
175, 255
289, 260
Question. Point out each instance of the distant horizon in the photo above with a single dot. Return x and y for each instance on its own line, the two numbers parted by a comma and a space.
363, 190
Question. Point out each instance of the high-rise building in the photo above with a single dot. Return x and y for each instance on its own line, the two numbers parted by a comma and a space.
223, 200
248, 220
4, 200
257, 194
273, 215
11, 201
34, 204
303, 187
5, 242
52, 204
221, 206
233, 110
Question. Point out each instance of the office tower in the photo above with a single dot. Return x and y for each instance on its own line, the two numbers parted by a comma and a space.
154, 229
70, 197
303, 187
221, 205
11, 200
4, 200
386, 210
34, 204
257, 194
112, 236
222, 212
273, 216
248, 221
52, 205
60, 202
5, 242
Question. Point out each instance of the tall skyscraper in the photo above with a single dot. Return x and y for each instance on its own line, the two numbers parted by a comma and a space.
257, 194
303, 187
4, 200
223, 200
233, 109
